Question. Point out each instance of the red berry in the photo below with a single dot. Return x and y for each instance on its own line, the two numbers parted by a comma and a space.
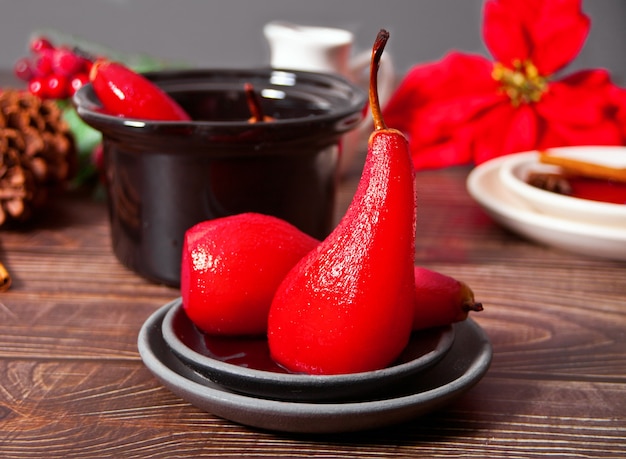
77, 82
65, 62
42, 65
36, 86
23, 69
39, 44
56, 87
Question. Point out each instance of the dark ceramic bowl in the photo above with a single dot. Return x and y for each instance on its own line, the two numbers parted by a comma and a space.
164, 177
245, 365
461, 369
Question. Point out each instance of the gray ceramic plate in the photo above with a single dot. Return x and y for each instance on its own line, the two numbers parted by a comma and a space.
462, 367
245, 365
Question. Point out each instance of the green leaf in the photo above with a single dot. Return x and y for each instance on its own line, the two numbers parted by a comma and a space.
86, 137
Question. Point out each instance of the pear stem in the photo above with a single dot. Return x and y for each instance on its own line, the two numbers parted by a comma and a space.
472, 306
254, 105
377, 51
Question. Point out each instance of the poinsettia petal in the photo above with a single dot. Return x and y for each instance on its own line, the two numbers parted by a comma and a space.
618, 96
579, 101
441, 118
454, 75
548, 33
523, 131
451, 151
443, 132
505, 129
586, 108
558, 34
504, 33
607, 132
590, 77
436, 102
560, 105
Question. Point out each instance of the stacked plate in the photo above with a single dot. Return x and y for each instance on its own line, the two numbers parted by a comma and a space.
583, 226
237, 380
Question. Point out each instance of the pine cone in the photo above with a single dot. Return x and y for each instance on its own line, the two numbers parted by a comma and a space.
37, 153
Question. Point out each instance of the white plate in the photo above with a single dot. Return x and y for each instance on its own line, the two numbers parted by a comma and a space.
485, 186
462, 367
515, 169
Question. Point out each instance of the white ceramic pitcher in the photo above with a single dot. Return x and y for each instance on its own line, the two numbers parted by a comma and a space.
329, 50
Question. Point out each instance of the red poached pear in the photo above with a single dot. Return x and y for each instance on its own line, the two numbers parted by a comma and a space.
126, 93
348, 305
231, 267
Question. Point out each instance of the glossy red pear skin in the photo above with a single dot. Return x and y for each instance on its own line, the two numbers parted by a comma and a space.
348, 305
231, 268
128, 94
440, 299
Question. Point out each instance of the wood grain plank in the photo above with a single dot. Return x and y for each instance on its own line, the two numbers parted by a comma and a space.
54, 408
72, 383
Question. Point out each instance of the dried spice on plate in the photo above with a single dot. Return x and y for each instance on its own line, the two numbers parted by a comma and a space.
468, 109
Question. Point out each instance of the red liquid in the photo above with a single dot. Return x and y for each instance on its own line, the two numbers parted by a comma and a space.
245, 352
254, 352
598, 190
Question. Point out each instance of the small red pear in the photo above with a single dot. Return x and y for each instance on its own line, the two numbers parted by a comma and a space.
348, 305
441, 299
126, 93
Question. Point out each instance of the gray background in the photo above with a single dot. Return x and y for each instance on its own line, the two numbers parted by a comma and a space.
228, 33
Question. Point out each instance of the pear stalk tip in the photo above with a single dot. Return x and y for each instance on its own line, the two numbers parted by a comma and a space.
472, 306
377, 51
254, 104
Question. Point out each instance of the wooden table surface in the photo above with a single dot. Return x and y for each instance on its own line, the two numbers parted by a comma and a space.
72, 383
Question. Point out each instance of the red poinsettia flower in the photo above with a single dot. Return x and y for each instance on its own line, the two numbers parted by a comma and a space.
466, 108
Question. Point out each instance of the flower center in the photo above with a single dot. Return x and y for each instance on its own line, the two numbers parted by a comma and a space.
522, 83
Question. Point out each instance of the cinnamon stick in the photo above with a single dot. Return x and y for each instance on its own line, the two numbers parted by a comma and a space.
5, 278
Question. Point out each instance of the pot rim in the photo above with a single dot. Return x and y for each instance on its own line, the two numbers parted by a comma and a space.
340, 119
